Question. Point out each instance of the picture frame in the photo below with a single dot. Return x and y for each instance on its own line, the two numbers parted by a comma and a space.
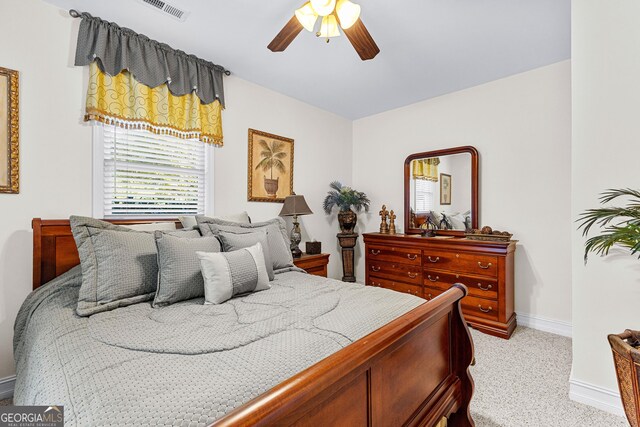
270, 167
9, 132
445, 189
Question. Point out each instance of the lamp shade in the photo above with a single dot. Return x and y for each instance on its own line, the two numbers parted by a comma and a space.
323, 7
295, 205
307, 16
348, 13
329, 27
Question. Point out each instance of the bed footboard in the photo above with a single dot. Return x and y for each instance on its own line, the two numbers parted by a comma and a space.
411, 372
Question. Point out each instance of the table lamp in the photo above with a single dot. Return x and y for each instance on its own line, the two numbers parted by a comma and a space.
295, 205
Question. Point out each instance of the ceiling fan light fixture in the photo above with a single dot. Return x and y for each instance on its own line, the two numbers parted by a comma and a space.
323, 7
348, 13
329, 27
307, 16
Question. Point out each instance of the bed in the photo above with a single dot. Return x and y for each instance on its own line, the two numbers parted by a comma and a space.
310, 351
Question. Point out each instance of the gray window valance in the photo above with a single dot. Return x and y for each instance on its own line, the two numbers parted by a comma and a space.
115, 48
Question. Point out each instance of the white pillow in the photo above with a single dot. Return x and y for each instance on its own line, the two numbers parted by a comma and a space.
457, 222
189, 222
227, 274
154, 226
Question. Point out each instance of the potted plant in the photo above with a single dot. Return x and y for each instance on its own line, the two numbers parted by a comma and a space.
345, 198
621, 228
272, 156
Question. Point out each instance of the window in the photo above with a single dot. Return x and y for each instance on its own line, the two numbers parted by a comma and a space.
139, 173
425, 195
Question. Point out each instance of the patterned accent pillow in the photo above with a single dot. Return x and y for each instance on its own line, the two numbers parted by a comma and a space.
179, 276
277, 235
119, 265
233, 241
227, 274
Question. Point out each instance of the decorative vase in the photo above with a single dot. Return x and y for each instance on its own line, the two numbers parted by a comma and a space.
271, 186
347, 220
626, 358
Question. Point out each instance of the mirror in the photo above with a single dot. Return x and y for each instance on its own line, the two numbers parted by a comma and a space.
441, 191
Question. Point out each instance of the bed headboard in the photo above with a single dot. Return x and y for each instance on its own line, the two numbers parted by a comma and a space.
54, 250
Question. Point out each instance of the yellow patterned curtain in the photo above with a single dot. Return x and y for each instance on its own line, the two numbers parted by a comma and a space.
426, 169
123, 101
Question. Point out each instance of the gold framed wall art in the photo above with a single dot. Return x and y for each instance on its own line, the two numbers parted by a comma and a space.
445, 189
270, 174
9, 155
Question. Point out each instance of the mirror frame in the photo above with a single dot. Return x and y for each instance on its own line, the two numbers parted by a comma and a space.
474, 187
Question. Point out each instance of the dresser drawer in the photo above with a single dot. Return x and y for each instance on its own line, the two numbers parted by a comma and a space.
479, 287
396, 271
395, 286
485, 265
430, 293
393, 254
480, 307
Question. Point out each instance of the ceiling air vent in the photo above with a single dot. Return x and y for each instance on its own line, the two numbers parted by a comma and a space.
169, 9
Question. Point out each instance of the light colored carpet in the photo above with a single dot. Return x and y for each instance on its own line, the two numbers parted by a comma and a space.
525, 382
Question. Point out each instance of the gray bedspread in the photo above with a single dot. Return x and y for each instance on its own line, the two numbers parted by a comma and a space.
189, 363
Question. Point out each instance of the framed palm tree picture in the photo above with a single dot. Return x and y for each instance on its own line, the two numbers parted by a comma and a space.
9, 166
270, 175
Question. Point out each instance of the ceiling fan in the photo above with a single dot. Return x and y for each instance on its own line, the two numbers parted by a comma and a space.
335, 14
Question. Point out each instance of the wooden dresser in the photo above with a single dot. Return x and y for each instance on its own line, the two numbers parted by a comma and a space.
427, 266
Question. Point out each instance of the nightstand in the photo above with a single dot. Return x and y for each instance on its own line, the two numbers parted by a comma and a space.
313, 264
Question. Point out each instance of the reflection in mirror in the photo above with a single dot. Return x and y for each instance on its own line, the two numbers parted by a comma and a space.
440, 192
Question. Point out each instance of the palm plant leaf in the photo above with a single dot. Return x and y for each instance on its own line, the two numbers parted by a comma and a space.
345, 198
279, 165
620, 225
264, 145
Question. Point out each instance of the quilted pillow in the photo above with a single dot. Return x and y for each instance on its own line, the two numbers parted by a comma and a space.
233, 241
179, 276
277, 235
119, 265
227, 274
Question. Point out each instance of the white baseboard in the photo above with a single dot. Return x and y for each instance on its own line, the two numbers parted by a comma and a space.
557, 327
6, 387
598, 397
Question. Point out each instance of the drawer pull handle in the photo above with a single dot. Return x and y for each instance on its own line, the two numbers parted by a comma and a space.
485, 310
429, 297
434, 280
412, 257
484, 289
433, 260
484, 267
375, 252
413, 276
374, 268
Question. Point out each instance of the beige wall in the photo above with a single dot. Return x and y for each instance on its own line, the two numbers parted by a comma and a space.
521, 126
55, 158
605, 154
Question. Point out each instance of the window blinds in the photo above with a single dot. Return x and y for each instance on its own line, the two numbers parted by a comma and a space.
425, 195
152, 175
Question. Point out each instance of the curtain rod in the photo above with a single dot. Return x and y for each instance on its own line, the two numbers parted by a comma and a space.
75, 14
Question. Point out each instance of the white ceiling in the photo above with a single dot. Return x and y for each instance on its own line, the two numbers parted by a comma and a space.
428, 47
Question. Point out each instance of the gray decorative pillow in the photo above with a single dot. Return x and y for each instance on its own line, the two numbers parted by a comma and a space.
227, 274
179, 276
277, 235
119, 265
233, 241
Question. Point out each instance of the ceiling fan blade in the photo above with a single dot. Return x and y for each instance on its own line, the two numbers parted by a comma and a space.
362, 41
286, 35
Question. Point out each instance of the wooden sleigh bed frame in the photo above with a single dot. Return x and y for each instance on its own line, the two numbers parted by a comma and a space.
411, 372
